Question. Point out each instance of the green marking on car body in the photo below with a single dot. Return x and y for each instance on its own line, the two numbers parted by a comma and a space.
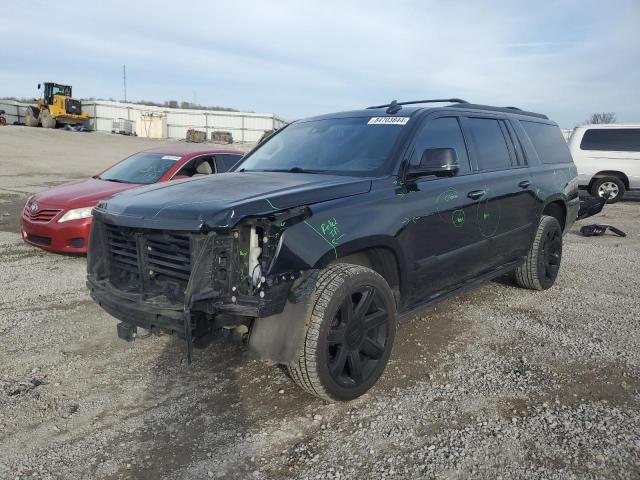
407, 220
243, 253
330, 228
457, 217
450, 196
271, 204
332, 242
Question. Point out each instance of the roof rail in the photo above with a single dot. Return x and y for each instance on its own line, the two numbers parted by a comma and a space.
394, 104
512, 110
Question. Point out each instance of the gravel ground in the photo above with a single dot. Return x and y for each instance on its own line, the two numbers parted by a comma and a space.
498, 383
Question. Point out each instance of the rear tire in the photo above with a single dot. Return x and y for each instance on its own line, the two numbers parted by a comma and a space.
31, 117
611, 185
349, 334
540, 269
47, 120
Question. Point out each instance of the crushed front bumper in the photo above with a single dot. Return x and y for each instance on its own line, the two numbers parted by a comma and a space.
132, 310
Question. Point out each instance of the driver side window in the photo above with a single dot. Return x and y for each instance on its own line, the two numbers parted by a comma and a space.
197, 166
444, 132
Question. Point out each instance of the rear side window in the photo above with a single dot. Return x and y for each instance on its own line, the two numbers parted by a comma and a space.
225, 161
442, 132
491, 146
611, 139
548, 142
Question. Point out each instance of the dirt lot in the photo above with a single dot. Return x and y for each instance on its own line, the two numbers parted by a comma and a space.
500, 383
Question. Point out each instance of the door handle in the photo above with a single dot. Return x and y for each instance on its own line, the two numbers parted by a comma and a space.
476, 194
524, 184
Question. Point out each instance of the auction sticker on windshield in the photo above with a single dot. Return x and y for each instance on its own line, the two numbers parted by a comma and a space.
388, 120
171, 157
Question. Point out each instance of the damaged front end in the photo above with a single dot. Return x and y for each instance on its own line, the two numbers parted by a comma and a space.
190, 283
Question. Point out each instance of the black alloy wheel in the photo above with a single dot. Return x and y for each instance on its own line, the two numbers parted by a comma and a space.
551, 255
357, 337
349, 333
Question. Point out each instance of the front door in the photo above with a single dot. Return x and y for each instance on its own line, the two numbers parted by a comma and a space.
440, 234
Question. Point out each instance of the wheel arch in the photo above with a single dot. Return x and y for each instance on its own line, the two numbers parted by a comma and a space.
609, 173
557, 208
382, 260
381, 253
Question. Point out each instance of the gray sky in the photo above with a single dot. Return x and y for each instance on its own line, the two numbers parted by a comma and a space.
295, 58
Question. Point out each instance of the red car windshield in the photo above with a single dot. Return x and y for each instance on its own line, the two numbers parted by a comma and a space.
144, 168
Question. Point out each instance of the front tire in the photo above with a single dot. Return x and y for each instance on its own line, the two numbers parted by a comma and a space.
609, 185
349, 335
47, 120
542, 265
31, 117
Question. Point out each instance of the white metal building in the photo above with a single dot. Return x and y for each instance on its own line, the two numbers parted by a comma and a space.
244, 126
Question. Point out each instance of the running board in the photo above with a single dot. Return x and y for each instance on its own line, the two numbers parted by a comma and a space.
404, 316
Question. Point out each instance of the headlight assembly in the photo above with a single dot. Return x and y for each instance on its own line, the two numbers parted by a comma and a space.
76, 214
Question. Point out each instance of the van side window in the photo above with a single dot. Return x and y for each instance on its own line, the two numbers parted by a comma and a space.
490, 144
548, 142
442, 132
611, 139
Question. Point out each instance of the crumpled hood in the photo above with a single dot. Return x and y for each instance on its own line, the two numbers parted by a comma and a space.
220, 201
83, 193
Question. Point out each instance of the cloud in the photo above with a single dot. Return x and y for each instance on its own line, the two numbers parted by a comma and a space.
306, 58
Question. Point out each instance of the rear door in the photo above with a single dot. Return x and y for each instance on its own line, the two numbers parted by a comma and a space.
505, 211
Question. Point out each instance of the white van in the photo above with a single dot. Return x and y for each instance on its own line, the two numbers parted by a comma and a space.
608, 158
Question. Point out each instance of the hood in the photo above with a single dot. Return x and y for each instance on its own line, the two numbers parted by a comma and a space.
84, 193
221, 201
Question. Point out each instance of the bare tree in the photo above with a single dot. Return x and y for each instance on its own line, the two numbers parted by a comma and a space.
602, 117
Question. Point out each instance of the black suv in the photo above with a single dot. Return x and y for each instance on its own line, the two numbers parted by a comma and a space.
328, 232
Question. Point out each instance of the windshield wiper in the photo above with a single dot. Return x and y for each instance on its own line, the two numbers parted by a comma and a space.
114, 180
294, 170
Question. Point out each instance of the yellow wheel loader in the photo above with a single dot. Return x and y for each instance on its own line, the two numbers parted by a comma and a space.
55, 107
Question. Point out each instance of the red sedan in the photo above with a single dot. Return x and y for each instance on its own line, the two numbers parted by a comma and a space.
59, 219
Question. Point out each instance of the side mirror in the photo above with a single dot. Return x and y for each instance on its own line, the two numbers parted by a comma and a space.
441, 162
38, 86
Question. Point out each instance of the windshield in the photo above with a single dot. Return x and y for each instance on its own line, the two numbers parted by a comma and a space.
359, 145
61, 90
142, 168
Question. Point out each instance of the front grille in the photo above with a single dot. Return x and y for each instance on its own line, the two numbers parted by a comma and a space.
169, 257
124, 268
42, 216
150, 262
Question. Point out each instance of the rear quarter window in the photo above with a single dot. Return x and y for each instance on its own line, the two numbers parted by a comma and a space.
611, 139
548, 142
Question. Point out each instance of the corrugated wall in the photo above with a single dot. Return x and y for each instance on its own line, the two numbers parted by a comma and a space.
244, 126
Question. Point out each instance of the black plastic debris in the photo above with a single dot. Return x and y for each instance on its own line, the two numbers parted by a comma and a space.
595, 230
591, 206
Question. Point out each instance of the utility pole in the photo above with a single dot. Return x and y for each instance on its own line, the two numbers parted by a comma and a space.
124, 80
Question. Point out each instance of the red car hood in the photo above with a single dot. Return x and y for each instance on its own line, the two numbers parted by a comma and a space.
85, 193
